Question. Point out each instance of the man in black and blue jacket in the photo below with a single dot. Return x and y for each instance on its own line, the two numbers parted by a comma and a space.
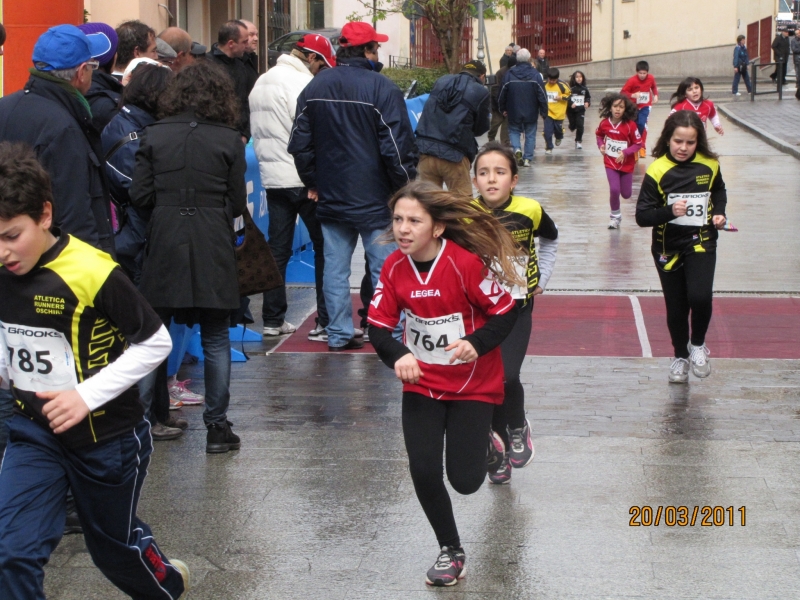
353, 147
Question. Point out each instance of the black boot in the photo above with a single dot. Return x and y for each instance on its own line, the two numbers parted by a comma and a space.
73, 523
220, 438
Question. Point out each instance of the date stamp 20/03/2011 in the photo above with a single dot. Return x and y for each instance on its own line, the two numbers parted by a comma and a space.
683, 516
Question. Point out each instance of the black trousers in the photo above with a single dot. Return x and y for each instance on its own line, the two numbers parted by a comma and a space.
426, 423
511, 413
576, 119
688, 289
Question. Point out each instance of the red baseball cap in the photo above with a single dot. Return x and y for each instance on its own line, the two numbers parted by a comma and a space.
319, 45
357, 34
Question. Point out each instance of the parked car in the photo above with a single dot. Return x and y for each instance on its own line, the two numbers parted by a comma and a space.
285, 43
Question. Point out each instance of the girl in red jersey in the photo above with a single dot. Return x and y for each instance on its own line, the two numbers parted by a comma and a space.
619, 141
690, 97
446, 277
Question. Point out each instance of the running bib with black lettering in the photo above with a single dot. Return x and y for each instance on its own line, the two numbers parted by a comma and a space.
39, 359
615, 147
696, 208
428, 338
643, 98
553, 96
577, 100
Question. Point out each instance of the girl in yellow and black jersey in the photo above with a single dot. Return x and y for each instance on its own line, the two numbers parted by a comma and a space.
683, 199
495, 177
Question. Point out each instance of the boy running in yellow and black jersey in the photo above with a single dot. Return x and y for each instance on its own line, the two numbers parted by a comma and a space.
495, 177
683, 199
75, 337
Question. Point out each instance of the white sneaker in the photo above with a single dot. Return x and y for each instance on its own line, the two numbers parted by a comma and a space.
698, 355
738, 94
183, 569
578, 146
614, 222
285, 328
319, 334
526, 163
679, 371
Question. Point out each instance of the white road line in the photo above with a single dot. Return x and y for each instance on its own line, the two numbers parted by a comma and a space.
640, 328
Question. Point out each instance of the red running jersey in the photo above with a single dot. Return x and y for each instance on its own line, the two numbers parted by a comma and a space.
641, 92
616, 139
705, 110
451, 301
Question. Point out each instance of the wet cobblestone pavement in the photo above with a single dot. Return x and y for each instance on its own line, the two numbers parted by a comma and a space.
318, 502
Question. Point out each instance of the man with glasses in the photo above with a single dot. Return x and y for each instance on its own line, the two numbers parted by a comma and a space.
51, 114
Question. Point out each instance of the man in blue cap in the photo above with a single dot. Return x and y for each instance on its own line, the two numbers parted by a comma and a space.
51, 114
106, 90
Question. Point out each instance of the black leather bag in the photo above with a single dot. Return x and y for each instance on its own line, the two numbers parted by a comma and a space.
256, 268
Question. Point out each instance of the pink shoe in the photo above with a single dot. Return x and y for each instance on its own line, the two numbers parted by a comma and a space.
180, 393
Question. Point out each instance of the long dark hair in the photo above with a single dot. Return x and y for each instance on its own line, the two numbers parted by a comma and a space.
207, 89
573, 83
683, 118
146, 86
468, 226
680, 94
608, 101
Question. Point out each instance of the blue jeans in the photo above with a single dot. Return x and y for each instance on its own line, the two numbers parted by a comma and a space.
285, 205
106, 479
515, 130
641, 118
6, 410
743, 74
340, 243
551, 126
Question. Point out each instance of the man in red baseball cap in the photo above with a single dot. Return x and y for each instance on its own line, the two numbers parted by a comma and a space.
358, 33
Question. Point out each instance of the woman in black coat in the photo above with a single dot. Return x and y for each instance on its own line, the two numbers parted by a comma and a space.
190, 170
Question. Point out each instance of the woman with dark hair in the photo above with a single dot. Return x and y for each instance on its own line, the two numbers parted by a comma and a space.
190, 171
683, 199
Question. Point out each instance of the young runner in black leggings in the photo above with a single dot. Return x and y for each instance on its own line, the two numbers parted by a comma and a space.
446, 277
683, 199
495, 177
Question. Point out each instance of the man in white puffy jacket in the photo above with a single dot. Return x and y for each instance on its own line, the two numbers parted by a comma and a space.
272, 108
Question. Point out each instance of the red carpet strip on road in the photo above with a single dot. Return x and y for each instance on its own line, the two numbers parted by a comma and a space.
566, 325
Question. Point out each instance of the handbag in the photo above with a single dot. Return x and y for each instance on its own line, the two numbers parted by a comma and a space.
256, 268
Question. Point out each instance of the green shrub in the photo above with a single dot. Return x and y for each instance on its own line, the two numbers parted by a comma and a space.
425, 78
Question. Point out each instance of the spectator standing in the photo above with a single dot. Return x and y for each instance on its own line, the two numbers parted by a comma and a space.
499, 120
166, 55
542, 64
353, 147
507, 54
51, 114
190, 171
181, 42
273, 103
794, 46
106, 90
457, 111
232, 43
6, 399
522, 100
136, 40
740, 63
250, 57
780, 54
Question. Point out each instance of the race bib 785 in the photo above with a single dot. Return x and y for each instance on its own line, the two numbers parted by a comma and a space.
39, 359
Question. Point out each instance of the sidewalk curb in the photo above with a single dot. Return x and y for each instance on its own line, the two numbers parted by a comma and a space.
772, 140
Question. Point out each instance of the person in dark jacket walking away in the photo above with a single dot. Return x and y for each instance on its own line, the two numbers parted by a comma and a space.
780, 54
190, 171
51, 114
353, 147
499, 120
106, 89
794, 45
456, 112
232, 43
579, 101
740, 62
523, 101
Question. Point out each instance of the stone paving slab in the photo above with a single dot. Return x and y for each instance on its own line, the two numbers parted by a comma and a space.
776, 122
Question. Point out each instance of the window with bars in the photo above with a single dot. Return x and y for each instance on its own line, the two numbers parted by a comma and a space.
429, 52
562, 27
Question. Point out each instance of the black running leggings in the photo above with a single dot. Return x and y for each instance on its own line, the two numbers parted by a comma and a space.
511, 412
466, 424
686, 289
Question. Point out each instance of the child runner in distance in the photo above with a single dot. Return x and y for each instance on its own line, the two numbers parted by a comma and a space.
446, 276
690, 97
495, 177
642, 89
618, 140
683, 199
75, 337
579, 101
558, 95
